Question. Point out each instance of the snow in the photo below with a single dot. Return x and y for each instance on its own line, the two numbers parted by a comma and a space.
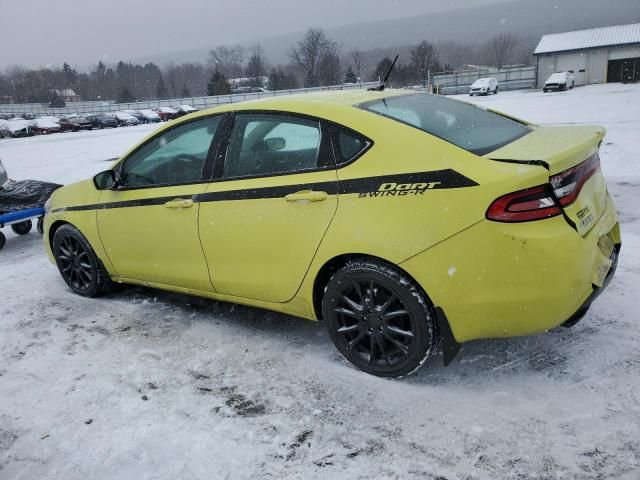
150, 114
481, 82
46, 122
15, 125
124, 116
616, 35
146, 385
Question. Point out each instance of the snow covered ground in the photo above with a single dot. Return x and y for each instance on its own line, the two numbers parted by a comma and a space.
145, 385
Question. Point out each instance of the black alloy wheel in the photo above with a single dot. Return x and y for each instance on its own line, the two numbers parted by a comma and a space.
78, 264
379, 319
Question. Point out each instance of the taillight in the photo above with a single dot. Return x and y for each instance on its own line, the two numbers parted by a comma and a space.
534, 203
567, 185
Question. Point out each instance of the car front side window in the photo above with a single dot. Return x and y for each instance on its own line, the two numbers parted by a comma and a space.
272, 144
176, 156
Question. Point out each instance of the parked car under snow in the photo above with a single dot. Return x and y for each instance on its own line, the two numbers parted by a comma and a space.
45, 125
167, 113
150, 116
19, 128
484, 86
559, 81
125, 119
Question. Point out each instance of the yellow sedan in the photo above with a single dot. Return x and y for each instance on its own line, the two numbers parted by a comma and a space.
402, 220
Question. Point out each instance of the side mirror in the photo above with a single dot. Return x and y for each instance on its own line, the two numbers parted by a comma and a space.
105, 180
274, 144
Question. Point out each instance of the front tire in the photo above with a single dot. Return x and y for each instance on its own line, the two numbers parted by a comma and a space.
379, 318
78, 264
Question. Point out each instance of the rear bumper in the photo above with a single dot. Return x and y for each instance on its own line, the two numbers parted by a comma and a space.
584, 308
501, 280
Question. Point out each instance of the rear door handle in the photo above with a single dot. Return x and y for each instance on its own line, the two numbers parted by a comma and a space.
306, 196
179, 203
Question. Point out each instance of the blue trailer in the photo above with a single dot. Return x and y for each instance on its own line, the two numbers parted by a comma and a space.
21, 222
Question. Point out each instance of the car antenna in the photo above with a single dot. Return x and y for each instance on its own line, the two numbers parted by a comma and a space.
383, 85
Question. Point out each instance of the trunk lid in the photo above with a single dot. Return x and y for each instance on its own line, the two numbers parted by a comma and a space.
570, 154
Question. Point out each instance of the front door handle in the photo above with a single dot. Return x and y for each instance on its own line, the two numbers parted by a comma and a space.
179, 203
306, 196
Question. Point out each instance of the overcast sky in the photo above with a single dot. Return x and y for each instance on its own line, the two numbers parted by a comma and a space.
81, 32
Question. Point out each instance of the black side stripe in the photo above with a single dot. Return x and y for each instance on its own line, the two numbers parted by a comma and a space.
441, 179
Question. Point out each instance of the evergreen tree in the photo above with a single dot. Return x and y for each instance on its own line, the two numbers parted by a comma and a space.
350, 77
279, 80
185, 91
125, 96
70, 75
161, 89
256, 67
56, 101
218, 85
382, 68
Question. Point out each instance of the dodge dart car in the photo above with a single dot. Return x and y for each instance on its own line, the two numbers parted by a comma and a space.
400, 219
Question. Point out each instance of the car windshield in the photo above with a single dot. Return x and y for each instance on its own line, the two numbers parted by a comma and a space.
481, 82
467, 126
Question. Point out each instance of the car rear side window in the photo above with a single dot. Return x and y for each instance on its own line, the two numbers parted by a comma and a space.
467, 126
348, 145
272, 144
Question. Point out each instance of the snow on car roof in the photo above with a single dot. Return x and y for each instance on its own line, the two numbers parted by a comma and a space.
558, 75
47, 122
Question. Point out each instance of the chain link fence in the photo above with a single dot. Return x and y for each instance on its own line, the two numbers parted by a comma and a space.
197, 102
452, 83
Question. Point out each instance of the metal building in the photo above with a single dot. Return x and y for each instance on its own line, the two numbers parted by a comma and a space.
597, 55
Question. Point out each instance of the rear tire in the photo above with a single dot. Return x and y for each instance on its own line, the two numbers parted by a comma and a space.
78, 264
22, 228
379, 318
3, 240
40, 226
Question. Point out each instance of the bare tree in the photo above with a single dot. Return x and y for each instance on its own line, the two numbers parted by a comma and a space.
423, 57
329, 66
227, 60
171, 73
357, 56
502, 47
256, 67
307, 53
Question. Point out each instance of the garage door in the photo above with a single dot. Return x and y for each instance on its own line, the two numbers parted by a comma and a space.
576, 64
626, 70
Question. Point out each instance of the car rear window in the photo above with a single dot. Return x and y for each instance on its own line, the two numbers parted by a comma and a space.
467, 126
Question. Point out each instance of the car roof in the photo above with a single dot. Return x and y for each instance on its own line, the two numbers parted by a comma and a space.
310, 100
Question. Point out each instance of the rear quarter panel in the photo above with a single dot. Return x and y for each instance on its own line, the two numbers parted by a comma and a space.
396, 228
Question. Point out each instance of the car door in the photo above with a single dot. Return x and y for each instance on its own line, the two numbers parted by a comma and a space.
263, 219
149, 224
